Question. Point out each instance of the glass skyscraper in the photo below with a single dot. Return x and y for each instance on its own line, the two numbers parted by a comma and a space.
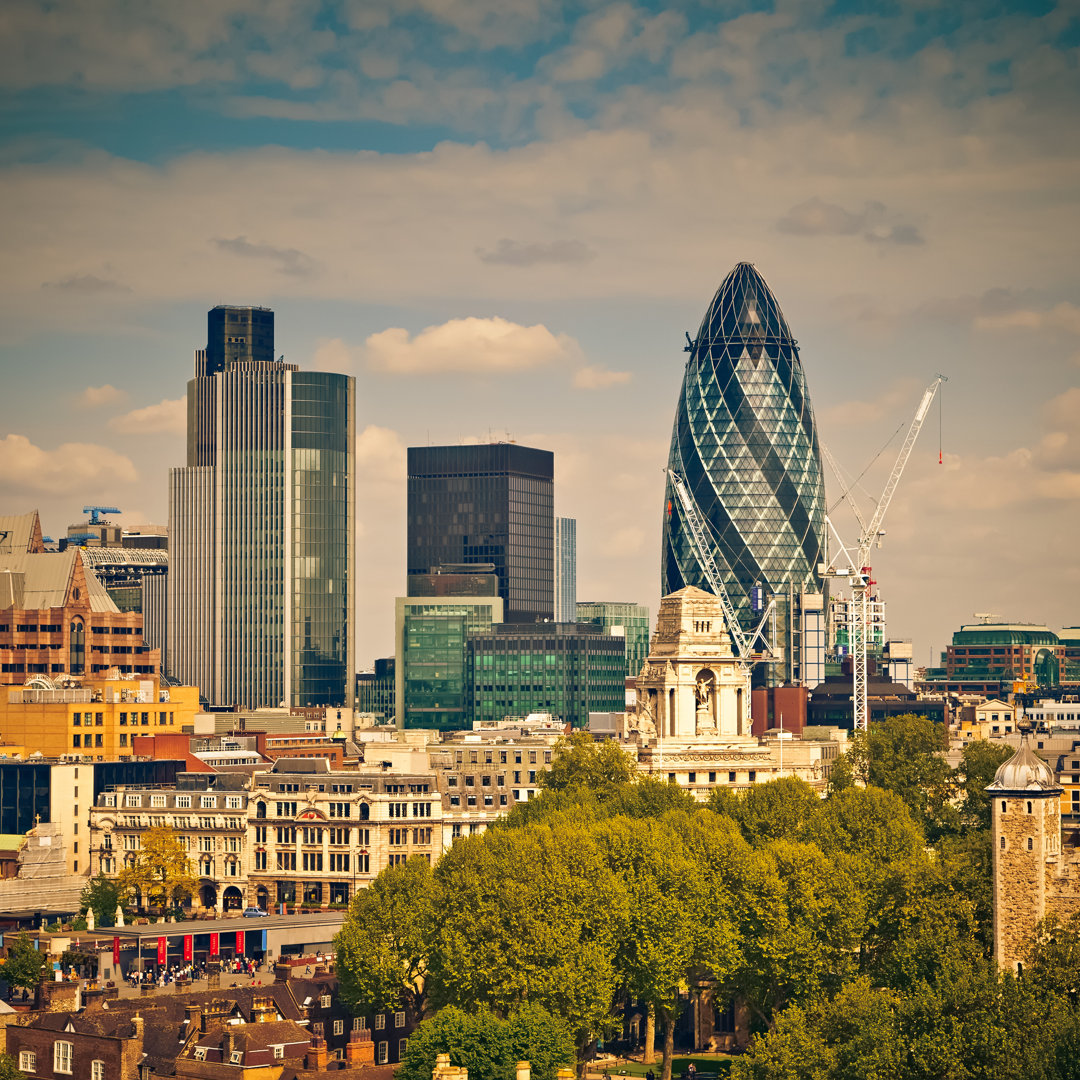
262, 525
745, 443
491, 503
629, 620
565, 569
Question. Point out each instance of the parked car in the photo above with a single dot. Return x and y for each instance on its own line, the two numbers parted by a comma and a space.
255, 913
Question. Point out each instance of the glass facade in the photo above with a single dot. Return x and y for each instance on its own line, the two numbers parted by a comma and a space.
565, 569
433, 636
493, 504
375, 689
565, 669
745, 442
262, 526
631, 620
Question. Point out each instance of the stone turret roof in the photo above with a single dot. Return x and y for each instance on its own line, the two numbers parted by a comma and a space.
1025, 771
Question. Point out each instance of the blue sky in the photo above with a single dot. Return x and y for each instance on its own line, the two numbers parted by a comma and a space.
501, 215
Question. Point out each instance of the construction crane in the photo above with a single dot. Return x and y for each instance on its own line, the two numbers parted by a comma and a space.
95, 513
857, 569
743, 645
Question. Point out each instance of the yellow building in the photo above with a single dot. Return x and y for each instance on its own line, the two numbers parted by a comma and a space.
96, 720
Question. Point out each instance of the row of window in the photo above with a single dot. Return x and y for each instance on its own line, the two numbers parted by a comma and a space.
63, 1053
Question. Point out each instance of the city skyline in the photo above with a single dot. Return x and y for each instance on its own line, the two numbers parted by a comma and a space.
502, 218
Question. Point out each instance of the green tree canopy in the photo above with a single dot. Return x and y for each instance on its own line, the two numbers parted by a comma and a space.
104, 895
383, 945
490, 1047
23, 965
581, 762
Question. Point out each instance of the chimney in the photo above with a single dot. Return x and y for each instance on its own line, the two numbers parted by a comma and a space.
360, 1050
192, 1013
317, 1057
282, 972
138, 1027
524, 1070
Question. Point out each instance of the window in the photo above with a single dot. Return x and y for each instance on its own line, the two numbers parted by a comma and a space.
208, 802
399, 1019
1031, 844
27, 1061
279, 1050
383, 1053
317, 1027
157, 800
339, 1027
183, 802
340, 810
1004, 806
359, 1023
62, 1057
97, 1070
232, 802
236, 1057
131, 800
1003, 843
380, 1021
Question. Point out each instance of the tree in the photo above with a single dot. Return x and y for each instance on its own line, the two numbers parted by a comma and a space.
529, 914
581, 762
9, 1069
782, 809
104, 895
382, 947
24, 963
488, 1046
980, 762
161, 873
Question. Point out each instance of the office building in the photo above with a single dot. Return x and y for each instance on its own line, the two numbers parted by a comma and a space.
262, 525
629, 621
565, 569
57, 620
745, 443
431, 633
490, 503
375, 690
566, 669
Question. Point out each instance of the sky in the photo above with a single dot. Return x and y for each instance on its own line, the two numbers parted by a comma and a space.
503, 215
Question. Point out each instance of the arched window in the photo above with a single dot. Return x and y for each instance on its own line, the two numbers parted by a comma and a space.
1004, 806
1029, 806
77, 648
1003, 843
1031, 844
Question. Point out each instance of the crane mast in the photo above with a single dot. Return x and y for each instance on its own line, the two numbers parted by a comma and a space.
858, 570
712, 574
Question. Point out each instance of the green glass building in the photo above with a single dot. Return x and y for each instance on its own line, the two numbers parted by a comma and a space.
431, 678
566, 669
631, 620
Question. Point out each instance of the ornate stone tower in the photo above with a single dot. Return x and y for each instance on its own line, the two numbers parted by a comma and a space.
692, 686
1026, 834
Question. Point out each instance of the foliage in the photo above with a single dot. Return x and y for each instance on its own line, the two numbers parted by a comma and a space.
579, 762
488, 1046
9, 1068
980, 762
104, 895
382, 946
784, 809
529, 914
162, 873
24, 963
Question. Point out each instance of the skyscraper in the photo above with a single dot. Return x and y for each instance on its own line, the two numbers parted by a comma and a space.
262, 525
565, 569
489, 503
745, 442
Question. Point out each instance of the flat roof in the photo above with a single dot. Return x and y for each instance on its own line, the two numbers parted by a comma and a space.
322, 919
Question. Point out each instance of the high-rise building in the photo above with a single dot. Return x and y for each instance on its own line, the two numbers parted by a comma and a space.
262, 525
490, 503
630, 621
745, 443
565, 569
565, 669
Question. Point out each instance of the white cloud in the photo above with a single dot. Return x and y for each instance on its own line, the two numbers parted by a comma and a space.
93, 397
491, 345
72, 468
166, 417
598, 378
380, 455
1063, 317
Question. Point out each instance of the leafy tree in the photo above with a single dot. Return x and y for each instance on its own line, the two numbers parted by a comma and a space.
382, 947
581, 762
104, 895
670, 928
530, 914
488, 1046
649, 798
801, 917
871, 824
980, 762
1053, 955
24, 963
782, 809
9, 1069
161, 873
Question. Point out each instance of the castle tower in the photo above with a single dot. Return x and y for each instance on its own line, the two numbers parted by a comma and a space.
1026, 835
692, 685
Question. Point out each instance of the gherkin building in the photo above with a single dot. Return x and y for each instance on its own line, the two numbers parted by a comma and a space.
746, 445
